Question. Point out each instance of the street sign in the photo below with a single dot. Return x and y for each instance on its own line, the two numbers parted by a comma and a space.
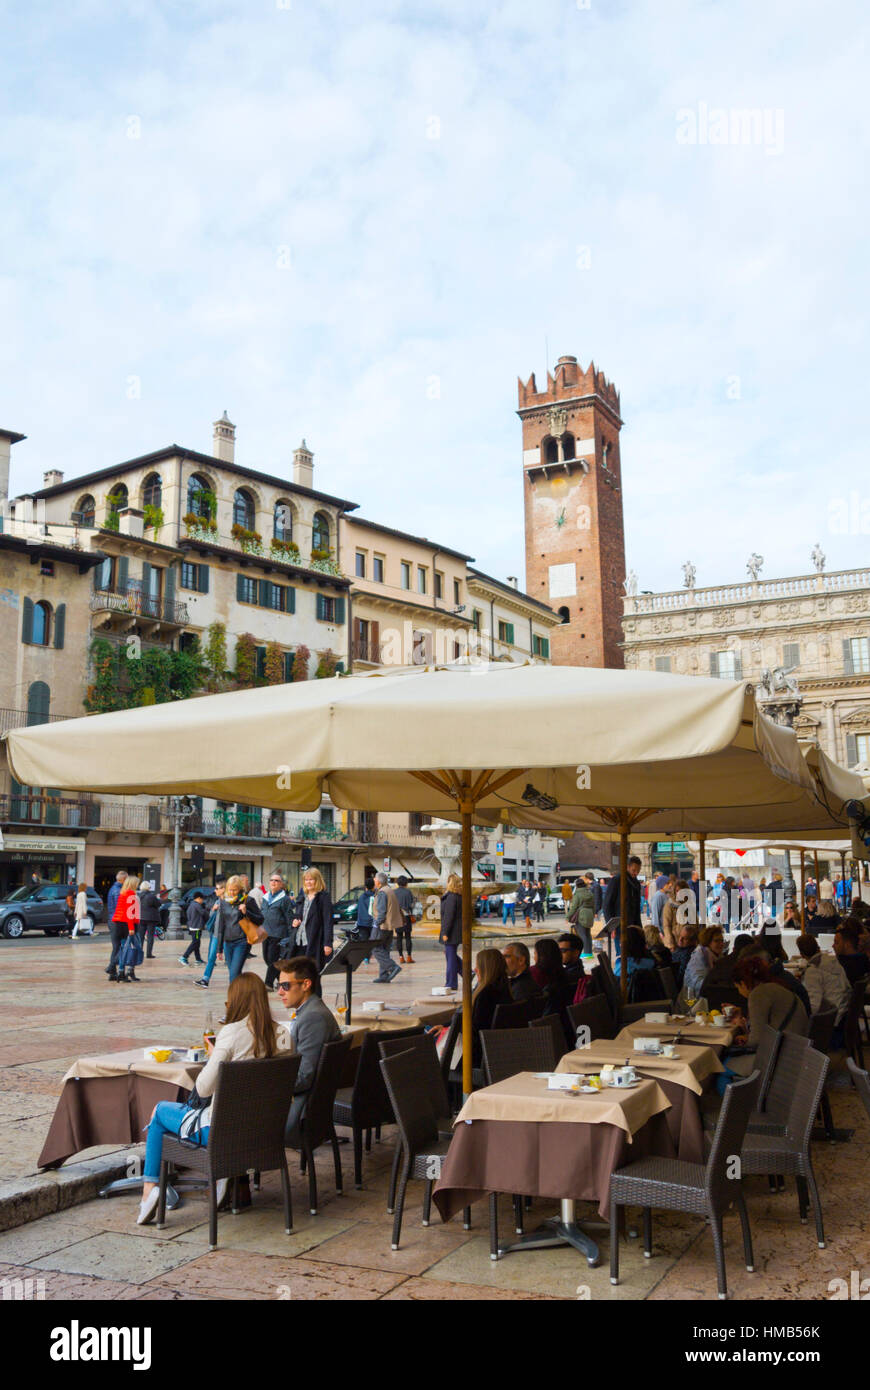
665, 846
499, 846
388, 864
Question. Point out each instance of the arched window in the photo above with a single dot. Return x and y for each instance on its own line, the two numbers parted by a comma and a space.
117, 498
243, 509
565, 615
38, 700
85, 509
551, 451
152, 491
199, 495
568, 446
283, 526
320, 532
41, 624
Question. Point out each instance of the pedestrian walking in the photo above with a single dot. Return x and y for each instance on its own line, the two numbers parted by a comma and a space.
235, 908
538, 899
581, 913
406, 900
278, 910
313, 920
387, 920
220, 888
450, 931
82, 920
126, 947
149, 917
196, 918
524, 901
509, 909
114, 893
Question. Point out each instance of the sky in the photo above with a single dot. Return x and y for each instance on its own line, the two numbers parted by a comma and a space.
361, 223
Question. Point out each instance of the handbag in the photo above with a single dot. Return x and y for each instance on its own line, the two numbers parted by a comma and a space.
131, 953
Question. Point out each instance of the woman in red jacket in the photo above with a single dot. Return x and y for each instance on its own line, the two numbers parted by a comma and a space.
124, 921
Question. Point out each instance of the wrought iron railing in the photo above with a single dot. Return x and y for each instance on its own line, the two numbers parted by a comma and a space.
133, 600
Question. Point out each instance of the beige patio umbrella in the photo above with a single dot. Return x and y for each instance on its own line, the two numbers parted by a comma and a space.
568, 747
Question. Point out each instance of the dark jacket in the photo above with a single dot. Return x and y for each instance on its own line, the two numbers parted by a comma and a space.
612, 900
405, 899
229, 928
196, 915
364, 919
482, 1013
523, 987
680, 957
149, 908
318, 927
278, 916
451, 919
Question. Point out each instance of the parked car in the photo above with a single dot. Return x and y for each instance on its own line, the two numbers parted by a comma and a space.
42, 907
207, 889
555, 901
345, 909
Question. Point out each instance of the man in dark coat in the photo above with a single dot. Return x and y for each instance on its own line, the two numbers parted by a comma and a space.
279, 910
149, 917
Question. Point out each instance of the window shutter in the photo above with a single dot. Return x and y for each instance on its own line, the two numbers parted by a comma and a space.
851, 750
339, 609
38, 703
59, 624
52, 805
288, 666
291, 600
714, 663
98, 575
27, 622
321, 607
123, 573
264, 594
738, 667
375, 641
791, 654
169, 594
261, 663
146, 584
545, 647
240, 588
848, 665
202, 578
509, 633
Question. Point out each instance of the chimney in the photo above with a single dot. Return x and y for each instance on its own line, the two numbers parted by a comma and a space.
512, 580
52, 478
224, 439
131, 522
303, 466
7, 439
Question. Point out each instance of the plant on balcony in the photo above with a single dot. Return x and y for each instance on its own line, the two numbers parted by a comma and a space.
274, 664
205, 502
199, 525
154, 518
250, 541
103, 694
326, 666
284, 550
321, 554
216, 655
189, 670
112, 522
246, 660
301, 658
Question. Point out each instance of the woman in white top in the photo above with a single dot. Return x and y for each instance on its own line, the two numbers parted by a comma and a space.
82, 914
249, 1031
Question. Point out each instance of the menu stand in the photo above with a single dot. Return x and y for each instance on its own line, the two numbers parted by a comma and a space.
348, 958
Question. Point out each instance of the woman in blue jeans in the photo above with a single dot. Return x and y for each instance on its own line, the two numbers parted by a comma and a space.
231, 940
249, 1031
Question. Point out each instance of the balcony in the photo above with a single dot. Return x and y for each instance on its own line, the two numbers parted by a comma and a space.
134, 608
229, 824
368, 652
56, 811
313, 830
21, 719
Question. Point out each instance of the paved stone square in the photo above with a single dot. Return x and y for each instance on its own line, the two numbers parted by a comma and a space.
57, 1005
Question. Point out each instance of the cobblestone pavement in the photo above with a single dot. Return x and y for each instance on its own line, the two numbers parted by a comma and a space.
57, 1005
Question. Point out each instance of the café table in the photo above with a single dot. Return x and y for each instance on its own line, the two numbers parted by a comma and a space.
682, 1078
711, 1035
520, 1137
109, 1099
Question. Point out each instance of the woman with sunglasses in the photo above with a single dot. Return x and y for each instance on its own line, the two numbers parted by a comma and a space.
249, 1031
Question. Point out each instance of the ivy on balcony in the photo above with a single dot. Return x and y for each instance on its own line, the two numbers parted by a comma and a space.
154, 677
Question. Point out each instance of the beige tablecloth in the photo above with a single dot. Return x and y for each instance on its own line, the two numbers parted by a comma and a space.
690, 1068
691, 1032
427, 1015
174, 1073
527, 1097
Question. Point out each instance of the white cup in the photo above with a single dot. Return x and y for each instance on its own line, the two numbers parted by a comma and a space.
670, 1050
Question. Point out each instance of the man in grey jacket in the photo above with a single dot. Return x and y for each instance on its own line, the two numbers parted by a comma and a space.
387, 918
311, 1027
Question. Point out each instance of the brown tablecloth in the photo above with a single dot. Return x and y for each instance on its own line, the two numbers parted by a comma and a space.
175, 1073
527, 1097
705, 1034
103, 1110
691, 1067
543, 1159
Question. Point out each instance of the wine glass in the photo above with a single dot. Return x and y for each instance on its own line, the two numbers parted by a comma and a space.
341, 1008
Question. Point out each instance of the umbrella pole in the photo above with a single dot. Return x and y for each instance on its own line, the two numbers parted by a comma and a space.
843, 880
467, 920
623, 909
702, 866
803, 890
819, 880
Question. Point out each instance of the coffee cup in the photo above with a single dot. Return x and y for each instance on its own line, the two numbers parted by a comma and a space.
670, 1050
625, 1076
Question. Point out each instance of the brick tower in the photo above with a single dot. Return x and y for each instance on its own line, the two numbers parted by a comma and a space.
575, 545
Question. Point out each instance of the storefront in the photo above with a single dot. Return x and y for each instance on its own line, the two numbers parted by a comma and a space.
55, 859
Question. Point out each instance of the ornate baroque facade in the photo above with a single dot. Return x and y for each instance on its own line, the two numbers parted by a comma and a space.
817, 624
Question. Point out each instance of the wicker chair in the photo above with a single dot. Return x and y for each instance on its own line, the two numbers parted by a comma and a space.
251, 1101
669, 982
593, 1013
431, 1078
633, 1013
765, 1060
789, 1153
512, 1015
787, 1066
822, 1027
552, 1024
422, 1150
316, 1124
508, 1051
608, 983
365, 1105
862, 1083
702, 1189
717, 996
854, 1018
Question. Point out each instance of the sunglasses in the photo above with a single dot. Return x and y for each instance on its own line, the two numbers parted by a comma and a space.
281, 987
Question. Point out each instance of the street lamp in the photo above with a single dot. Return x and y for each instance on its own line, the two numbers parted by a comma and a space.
180, 810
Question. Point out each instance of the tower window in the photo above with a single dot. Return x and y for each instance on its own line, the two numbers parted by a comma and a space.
551, 451
243, 509
568, 451
565, 614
